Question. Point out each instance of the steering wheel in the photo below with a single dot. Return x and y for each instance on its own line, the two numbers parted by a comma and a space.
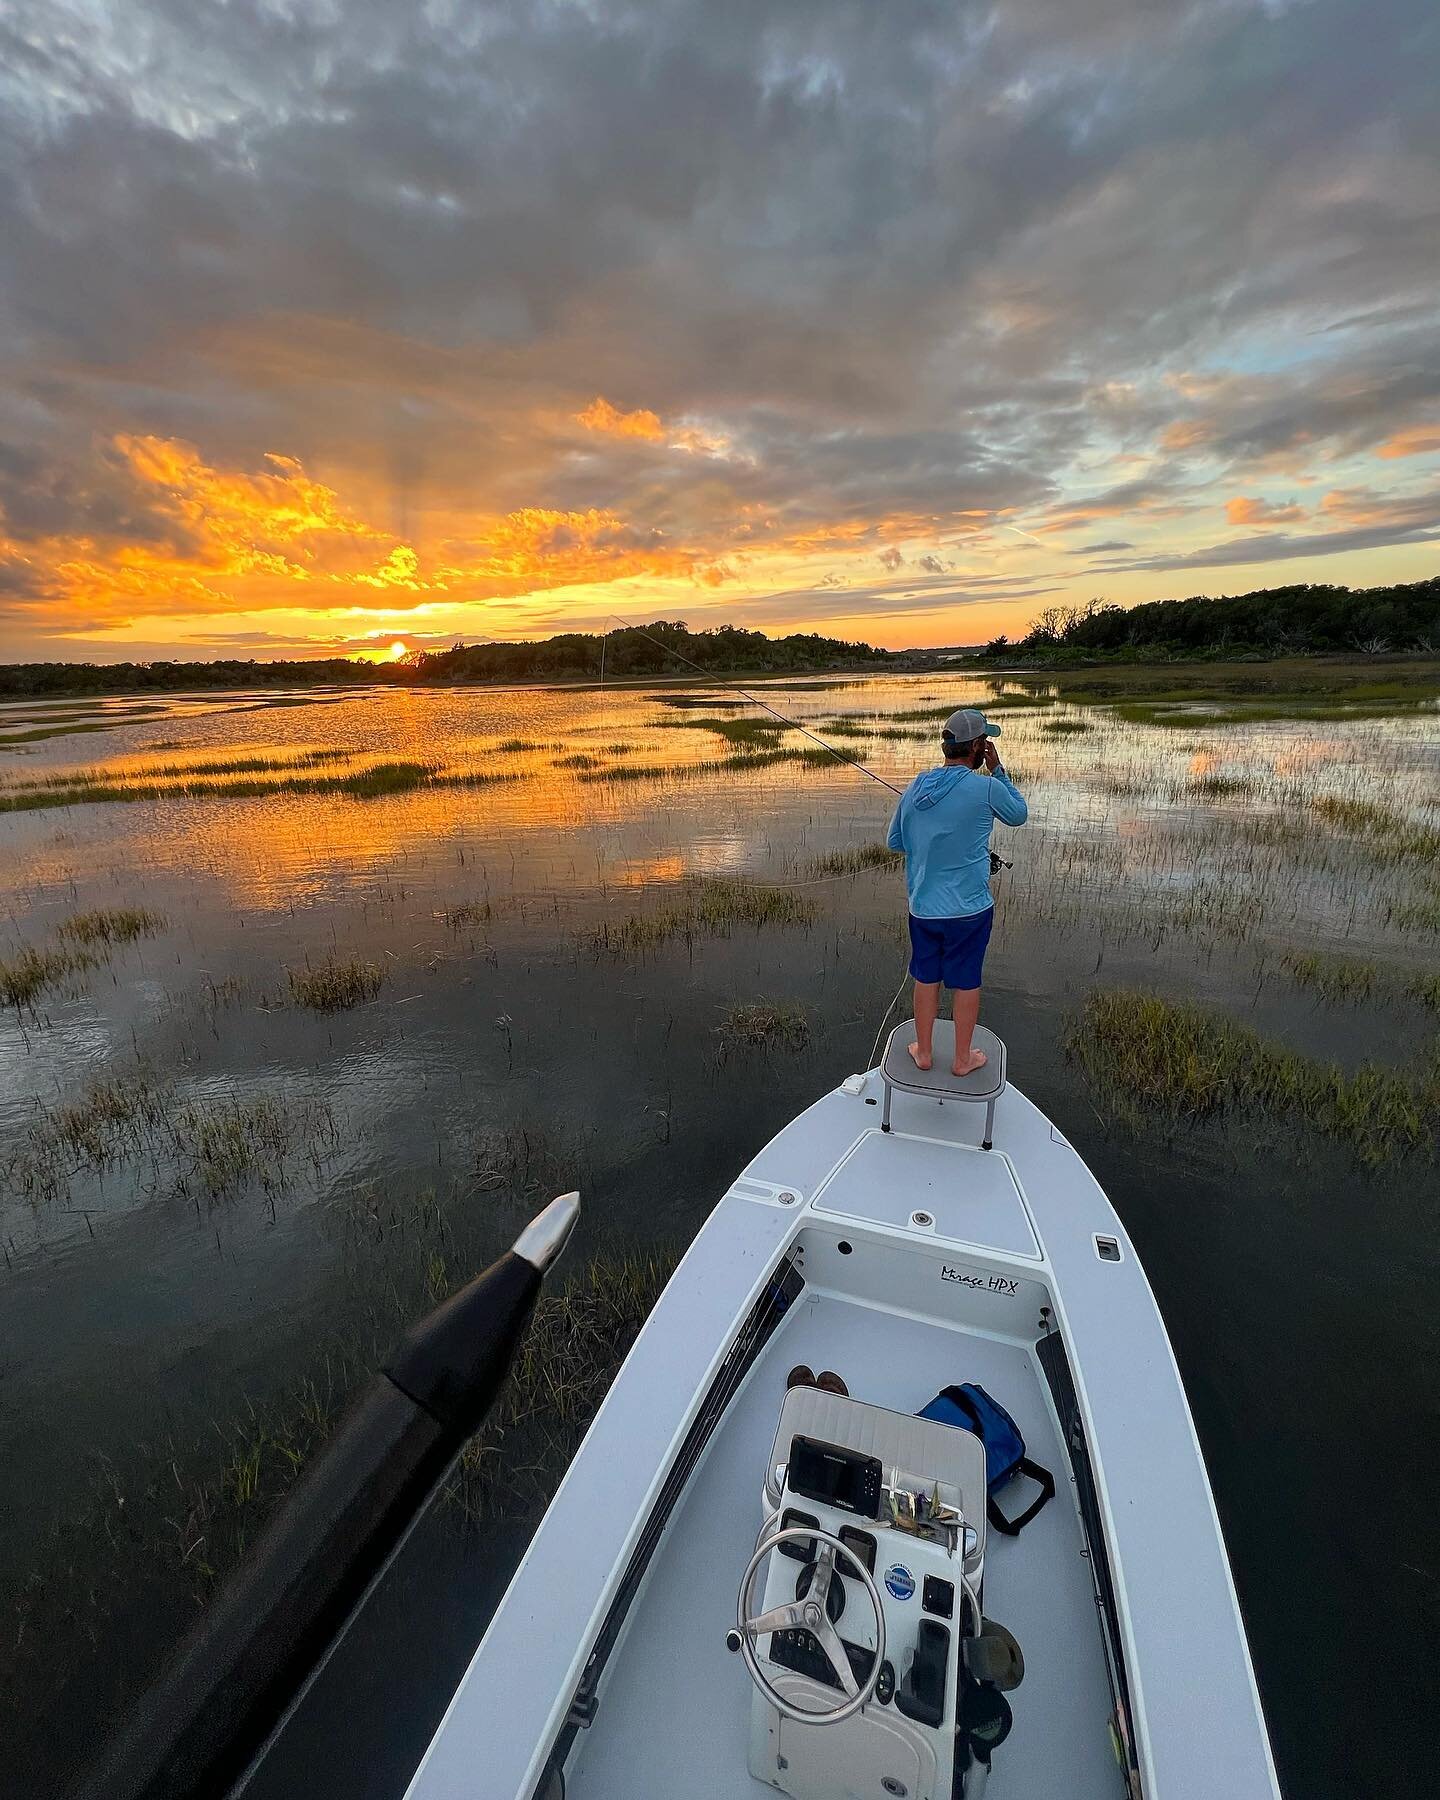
809, 1614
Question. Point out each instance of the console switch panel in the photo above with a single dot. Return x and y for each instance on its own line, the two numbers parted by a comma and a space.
938, 1597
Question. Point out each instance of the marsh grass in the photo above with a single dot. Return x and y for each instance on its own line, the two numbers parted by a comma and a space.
704, 908
639, 772
176, 771
24, 978
513, 746
1417, 914
769, 1023
362, 784
467, 914
1386, 831
856, 859
39, 733
760, 732
739, 762
1001, 703
216, 1142
702, 703
579, 760
1343, 978
872, 730
1140, 1049
112, 925
336, 986
1350, 979
228, 1141
1066, 727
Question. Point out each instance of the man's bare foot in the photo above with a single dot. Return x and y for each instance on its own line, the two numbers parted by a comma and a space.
921, 1059
975, 1060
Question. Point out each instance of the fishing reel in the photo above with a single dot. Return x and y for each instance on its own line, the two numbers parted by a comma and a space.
998, 862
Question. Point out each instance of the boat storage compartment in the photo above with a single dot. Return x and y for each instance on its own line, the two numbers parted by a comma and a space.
970, 1195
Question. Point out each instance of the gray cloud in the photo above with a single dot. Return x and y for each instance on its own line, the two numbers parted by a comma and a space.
910, 261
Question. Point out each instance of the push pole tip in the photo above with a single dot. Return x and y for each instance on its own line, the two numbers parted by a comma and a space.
547, 1234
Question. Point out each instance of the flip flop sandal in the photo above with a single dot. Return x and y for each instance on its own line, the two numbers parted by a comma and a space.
829, 1382
800, 1376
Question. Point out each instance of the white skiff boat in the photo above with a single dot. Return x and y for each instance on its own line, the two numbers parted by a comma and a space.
845, 1548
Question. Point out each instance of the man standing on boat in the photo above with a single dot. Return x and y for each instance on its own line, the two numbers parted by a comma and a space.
943, 825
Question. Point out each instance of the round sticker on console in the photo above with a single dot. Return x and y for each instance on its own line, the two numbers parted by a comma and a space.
899, 1581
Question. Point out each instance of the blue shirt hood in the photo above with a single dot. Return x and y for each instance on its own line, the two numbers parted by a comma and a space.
928, 789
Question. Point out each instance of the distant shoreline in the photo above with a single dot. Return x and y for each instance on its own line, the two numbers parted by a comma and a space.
1014, 667
436, 684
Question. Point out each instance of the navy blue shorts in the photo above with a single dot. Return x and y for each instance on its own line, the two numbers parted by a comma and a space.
950, 950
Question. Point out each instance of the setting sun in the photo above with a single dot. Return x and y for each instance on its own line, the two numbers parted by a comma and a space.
397, 650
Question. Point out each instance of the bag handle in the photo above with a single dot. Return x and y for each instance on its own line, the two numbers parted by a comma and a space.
1013, 1527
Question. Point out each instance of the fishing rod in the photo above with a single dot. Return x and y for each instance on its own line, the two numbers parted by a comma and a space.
774, 711
997, 862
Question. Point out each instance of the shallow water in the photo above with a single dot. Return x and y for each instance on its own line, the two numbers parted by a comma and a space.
149, 1302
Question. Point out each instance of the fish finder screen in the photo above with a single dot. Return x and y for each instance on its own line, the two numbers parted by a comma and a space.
837, 1477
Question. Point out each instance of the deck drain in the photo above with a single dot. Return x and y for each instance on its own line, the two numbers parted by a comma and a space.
1107, 1249
923, 1219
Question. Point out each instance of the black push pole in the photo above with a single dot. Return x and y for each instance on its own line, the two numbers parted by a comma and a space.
233, 1680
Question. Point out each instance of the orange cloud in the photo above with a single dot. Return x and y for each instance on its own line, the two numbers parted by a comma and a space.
1186, 434
601, 416
1243, 510
222, 540
1415, 440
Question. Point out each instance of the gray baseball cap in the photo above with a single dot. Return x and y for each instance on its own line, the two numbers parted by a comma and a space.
967, 724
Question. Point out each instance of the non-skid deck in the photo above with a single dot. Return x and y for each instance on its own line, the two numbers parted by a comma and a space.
674, 1710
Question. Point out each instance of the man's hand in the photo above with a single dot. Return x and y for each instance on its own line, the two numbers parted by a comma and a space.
992, 757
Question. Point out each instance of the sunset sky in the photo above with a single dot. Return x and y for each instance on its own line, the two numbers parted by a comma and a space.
327, 325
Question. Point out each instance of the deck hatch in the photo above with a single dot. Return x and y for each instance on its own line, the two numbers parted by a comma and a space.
960, 1192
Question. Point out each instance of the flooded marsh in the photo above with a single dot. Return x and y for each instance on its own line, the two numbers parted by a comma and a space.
294, 1038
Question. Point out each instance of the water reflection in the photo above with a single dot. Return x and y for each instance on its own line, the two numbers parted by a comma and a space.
141, 1306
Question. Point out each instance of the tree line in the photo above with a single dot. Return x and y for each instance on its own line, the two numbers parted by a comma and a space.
1304, 619
668, 647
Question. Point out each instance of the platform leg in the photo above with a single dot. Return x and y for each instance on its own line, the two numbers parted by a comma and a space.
989, 1127
885, 1115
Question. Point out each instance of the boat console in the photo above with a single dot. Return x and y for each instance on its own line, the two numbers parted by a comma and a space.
868, 1569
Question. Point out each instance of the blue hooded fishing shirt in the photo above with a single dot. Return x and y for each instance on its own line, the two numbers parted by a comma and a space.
943, 825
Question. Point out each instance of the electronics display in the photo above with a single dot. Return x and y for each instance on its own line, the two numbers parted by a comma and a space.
835, 1476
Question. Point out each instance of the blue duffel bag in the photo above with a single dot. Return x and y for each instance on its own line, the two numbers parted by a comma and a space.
972, 1409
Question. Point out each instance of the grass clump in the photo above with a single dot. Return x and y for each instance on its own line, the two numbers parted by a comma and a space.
771, 1024
336, 986
24, 978
467, 914
856, 859
112, 925
579, 760
636, 772
762, 732
227, 1141
1388, 831
1332, 977
705, 908
513, 746
361, 784
1066, 727
1173, 1055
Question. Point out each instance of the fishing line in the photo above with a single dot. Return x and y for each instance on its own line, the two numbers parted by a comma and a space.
885, 1017
774, 711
